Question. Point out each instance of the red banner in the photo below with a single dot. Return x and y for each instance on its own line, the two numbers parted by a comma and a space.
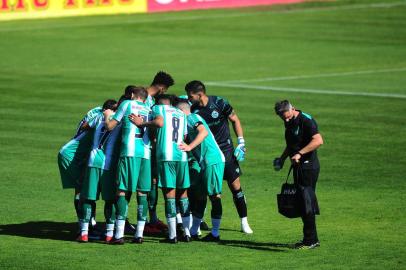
168, 5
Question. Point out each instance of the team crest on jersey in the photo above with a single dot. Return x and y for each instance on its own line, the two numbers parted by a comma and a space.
214, 114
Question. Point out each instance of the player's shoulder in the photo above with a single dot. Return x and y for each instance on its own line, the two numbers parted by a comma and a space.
219, 100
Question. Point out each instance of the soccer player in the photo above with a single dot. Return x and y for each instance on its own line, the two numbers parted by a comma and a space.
173, 171
134, 166
210, 179
73, 156
159, 85
100, 173
216, 111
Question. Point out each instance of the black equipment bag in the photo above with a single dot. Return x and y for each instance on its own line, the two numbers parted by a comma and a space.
288, 199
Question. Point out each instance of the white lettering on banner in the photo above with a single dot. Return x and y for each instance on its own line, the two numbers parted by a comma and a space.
166, 2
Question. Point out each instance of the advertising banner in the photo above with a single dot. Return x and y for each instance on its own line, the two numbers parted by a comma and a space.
168, 5
31, 9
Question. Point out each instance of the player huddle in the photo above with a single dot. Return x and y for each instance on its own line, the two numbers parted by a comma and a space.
149, 138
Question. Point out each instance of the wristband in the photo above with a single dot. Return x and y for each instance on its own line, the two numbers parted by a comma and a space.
240, 140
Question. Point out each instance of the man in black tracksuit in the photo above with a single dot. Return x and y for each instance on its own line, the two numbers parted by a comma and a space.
302, 139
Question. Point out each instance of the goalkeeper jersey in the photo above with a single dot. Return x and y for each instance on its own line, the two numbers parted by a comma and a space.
171, 134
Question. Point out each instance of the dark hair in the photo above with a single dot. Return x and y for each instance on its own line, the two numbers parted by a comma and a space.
159, 98
194, 87
282, 106
179, 100
140, 92
129, 90
110, 104
163, 78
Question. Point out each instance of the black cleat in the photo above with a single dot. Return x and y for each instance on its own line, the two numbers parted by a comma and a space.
129, 228
204, 226
169, 241
179, 229
187, 239
137, 240
211, 238
195, 237
119, 241
302, 245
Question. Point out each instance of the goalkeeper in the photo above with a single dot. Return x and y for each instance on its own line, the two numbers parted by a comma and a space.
216, 111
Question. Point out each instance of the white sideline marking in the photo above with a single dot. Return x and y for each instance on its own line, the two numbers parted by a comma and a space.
337, 74
302, 90
201, 17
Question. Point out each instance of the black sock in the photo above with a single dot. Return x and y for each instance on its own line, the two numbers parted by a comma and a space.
240, 204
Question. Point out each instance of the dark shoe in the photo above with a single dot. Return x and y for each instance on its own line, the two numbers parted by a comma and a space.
302, 245
108, 239
195, 237
95, 233
204, 226
211, 238
137, 240
129, 228
187, 239
169, 241
179, 229
82, 238
119, 241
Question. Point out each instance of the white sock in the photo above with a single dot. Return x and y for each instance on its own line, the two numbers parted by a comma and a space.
190, 221
178, 218
245, 227
84, 228
186, 223
120, 223
215, 230
172, 227
93, 221
195, 225
140, 228
109, 230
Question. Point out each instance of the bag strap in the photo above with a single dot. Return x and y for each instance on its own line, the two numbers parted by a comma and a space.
290, 170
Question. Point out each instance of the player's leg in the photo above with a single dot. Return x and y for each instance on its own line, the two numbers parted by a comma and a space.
143, 187
108, 191
232, 174
182, 184
212, 177
88, 195
167, 181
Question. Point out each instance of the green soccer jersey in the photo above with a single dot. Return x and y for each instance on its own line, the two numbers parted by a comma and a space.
79, 146
135, 141
207, 153
171, 134
105, 146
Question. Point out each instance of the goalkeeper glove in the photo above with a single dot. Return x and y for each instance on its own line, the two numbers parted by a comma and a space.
239, 151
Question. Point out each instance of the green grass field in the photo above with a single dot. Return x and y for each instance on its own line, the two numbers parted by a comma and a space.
53, 71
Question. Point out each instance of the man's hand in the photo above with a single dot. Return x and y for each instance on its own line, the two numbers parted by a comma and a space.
184, 147
278, 164
135, 119
296, 157
107, 113
240, 150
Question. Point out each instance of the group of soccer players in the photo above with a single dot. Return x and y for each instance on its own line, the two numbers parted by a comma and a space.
149, 139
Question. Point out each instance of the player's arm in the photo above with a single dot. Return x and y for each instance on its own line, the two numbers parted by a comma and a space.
235, 121
316, 142
157, 122
109, 123
85, 126
202, 134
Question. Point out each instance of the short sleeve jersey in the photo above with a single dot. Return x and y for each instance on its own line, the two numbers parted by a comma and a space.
79, 146
298, 133
208, 151
150, 101
105, 147
135, 141
171, 134
216, 114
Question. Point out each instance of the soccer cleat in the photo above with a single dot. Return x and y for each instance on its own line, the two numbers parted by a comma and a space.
211, 238
129, 228
119, 241
302, 245
204, 226
187, 239
169, 241
195, 237
82, 238
137, 240
108, 239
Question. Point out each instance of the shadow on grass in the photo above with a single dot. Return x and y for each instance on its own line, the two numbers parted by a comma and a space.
42, 230
275, 247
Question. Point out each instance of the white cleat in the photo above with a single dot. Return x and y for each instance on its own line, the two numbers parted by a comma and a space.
245, 227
